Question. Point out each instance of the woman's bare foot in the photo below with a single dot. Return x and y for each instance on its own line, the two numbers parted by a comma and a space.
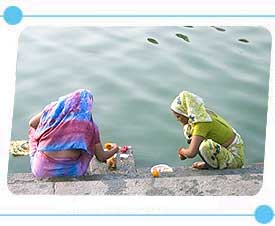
199, 165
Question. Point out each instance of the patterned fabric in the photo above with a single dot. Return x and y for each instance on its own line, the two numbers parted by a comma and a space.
190, 106
64, 124
219, 130
187, 132
219, 157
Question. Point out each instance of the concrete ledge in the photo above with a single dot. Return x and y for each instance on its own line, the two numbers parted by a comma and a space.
183, 181
128, 180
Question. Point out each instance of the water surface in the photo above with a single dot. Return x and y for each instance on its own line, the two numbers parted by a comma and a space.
134, 74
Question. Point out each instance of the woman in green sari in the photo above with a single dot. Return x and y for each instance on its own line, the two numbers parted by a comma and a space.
208, 134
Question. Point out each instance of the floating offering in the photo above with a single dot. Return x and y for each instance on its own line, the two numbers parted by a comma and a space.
182, 36
162, 168
154, 41
111, 163
243, 40
155, 173
124, 149
108, 146
219, 29
124, 156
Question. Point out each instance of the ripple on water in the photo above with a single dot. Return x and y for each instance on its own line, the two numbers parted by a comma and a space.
243, 40
219, 28
152, 40
182, 36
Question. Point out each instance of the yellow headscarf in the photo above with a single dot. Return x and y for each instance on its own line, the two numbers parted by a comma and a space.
190, 106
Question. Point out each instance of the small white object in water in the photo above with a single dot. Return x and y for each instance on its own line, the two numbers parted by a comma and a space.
124, 156
162, 168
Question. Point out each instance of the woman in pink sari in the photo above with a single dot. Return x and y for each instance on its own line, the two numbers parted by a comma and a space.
64, 138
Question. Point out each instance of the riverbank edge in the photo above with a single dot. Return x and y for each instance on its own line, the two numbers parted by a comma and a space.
129, 180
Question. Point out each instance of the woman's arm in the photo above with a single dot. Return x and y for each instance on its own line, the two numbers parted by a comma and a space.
102, 155
35, 120
193, 148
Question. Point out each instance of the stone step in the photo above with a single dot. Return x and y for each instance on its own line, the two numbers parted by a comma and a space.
127, 180
183, 181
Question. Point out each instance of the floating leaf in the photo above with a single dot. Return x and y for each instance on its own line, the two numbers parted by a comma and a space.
189, 26
154, 41
182, 36
219, 28
243, 40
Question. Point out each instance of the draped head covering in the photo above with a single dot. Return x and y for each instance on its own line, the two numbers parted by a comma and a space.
190, 106
67, 123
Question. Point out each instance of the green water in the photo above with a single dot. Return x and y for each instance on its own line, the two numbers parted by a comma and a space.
134, 74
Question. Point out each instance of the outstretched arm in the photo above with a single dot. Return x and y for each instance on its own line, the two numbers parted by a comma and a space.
35, 120
102, 155
193, 148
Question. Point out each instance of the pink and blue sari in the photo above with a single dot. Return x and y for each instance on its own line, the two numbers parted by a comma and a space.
65, 124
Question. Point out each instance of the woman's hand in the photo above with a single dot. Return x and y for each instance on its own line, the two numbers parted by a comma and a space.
193, 148
102, 155
181, 154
